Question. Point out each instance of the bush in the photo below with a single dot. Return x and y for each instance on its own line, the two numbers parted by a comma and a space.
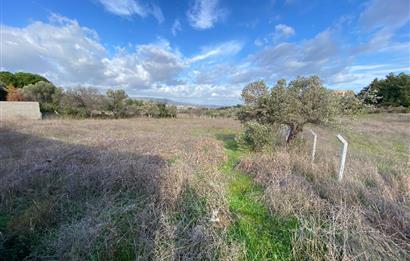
14, 94
256, 136
80, 102
349, 104
116, 102
45, 93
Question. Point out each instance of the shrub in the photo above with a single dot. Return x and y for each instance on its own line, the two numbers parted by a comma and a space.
45, 93
349, 104
116, 102
14, 94
81, 101
256, 136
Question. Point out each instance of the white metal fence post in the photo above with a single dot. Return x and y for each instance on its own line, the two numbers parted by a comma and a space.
314, 145
343, 156
287, 134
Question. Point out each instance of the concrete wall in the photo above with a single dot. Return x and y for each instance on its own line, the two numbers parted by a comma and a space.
20, 111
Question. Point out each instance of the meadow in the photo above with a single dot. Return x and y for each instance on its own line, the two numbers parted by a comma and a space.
184, 189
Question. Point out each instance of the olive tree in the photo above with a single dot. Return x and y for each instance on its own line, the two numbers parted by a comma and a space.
303, 100
45, 93
81, 101
116, 102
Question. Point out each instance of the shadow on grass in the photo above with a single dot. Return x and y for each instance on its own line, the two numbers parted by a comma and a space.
76, 202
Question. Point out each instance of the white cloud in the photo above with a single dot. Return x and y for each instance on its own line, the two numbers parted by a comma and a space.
203, 14
321, 55
131, 7
70, 55
224, 49
176, 27
61, 47
284, 30
382, 13
160, 61
156, 11
381, 19
358, 76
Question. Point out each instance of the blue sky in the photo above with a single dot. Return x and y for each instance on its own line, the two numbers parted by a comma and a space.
204, 51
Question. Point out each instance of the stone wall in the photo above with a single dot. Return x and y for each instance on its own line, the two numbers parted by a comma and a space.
20, 111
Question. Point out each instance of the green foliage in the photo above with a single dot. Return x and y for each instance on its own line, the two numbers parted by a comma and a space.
81, 102
24, 78
166, 111
20, 79
40, 91
252, 92
256, 136
116, 102
88, 102
8, 78
45, 93
304, 100
392, 91
349, 104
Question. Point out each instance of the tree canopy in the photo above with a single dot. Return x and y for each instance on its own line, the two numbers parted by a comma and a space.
304, 100
392, 91
17, 80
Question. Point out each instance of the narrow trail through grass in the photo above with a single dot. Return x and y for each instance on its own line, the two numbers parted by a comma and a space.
265, 236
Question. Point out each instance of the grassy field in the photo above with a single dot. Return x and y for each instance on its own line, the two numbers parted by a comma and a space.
183, 189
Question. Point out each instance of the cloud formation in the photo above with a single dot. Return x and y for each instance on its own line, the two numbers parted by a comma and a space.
70, 54
204, 14
220, 50
131, 7
284, 30
382, 19
381, 14
176, 27
319, 55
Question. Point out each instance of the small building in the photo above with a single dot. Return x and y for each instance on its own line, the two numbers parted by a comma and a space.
10, 110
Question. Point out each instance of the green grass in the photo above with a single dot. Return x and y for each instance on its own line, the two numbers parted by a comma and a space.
265, 236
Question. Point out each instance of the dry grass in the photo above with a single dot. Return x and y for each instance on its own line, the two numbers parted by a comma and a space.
152, 189
113, 189
367, 215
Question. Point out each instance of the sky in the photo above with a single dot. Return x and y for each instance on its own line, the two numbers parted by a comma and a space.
204, 51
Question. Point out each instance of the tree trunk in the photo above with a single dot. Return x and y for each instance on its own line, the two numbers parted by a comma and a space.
294, 130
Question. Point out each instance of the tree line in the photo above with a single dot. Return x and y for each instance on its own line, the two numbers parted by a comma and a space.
277, 104
78, 102
393, 91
